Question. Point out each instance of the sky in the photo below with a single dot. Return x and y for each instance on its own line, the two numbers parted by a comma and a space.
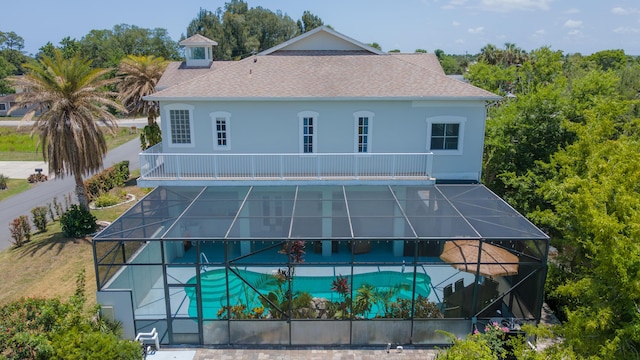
454, 26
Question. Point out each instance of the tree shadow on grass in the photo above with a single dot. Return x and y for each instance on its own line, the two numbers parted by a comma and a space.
54, 242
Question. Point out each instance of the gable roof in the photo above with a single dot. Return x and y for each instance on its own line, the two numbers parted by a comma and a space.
318, 65
318, 39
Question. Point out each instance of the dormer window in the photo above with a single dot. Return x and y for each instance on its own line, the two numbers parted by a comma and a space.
200, 53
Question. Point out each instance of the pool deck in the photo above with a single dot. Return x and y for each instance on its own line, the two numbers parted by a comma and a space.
314, 353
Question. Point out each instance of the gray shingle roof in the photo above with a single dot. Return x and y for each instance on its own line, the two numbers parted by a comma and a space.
320, 64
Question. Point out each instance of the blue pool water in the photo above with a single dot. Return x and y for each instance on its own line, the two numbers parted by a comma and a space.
214, 288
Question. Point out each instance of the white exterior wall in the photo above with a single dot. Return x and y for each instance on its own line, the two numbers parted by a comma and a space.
396, 127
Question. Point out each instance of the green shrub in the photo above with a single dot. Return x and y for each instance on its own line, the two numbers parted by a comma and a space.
20, 229
106, 180
77, 222
15, 227
57, 207
107, 199
3, 182
122, 172
41, 328
26, 227
40, 217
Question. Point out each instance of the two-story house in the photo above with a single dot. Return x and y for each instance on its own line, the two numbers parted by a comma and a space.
320, 192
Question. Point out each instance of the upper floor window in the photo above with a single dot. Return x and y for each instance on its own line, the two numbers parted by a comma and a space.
221, 121
445, 134
308, 130
180, 125
363, 122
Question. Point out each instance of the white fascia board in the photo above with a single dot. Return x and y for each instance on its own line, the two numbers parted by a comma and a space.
316, 98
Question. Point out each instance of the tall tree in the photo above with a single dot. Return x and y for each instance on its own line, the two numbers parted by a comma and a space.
108, 47
593, 187
308, 22
6, 69
71, 100
140, 77
11, 45
241, 31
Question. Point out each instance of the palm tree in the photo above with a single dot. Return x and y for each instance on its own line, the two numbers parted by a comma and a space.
69, 97
140, 77
489, 53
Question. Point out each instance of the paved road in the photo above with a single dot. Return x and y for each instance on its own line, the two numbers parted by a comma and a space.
137, 122
43, 193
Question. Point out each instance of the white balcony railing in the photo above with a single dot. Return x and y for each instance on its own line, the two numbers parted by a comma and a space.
155, 165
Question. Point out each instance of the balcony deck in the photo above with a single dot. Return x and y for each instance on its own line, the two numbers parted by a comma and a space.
158, 168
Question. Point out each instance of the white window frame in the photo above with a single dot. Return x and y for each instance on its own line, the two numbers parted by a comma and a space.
189, 108
356, 127
314, 136
460, 120
214, 121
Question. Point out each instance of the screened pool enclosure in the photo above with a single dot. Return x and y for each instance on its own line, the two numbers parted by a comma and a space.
319, 265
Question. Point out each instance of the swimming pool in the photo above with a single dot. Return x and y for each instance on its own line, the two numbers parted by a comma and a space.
214, 288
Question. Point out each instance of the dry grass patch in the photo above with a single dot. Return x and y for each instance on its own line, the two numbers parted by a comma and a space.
46, 266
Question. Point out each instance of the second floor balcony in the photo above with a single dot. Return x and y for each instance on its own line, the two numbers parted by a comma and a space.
160, 168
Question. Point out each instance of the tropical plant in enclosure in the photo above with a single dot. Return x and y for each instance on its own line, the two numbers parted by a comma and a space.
70, 98
3, 182
282, 303
366, 297
341, 309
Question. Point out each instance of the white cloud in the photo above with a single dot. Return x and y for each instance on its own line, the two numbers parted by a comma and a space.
455, 23
622, 11
539, 33
459, 41
457, 2
477, 30
626, 30
515, 5
573, 11
572, 24
452, 4
574, 32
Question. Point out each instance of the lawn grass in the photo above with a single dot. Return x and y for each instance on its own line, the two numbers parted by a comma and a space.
16, 143
15, 186
47, 266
